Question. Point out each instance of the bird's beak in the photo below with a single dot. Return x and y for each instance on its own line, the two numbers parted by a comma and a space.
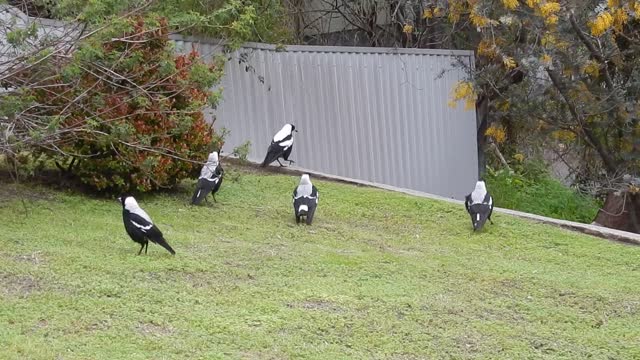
296, 130
119, 199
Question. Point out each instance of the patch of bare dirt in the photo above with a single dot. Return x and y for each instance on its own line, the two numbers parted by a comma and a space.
251, 355
36, 258
41, 324
98, 326
18, 285
319, 305
155, 330
199, 280
407, 357
11, 191
468, 343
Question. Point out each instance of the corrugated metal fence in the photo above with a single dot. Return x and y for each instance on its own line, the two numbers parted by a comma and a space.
373, 114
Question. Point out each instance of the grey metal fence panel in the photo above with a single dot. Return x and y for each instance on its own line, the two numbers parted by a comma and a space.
373, 114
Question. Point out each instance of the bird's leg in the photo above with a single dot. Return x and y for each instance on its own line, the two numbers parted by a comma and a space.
278, 160
214, 197
290, 162
206, 200
141, 247
146, 247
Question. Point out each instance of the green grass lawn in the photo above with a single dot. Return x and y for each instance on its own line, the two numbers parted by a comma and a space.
379, 275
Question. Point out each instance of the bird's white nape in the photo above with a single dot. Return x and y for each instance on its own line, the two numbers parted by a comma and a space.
305, 188
480, 186
283, 133
305, 180
130, 203
213, 159
478, 194
210, 167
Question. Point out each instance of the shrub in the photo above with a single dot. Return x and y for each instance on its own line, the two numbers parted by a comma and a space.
242, 151
127, 112
530, 188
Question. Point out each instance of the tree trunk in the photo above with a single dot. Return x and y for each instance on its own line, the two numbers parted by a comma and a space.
482, 121
620, 212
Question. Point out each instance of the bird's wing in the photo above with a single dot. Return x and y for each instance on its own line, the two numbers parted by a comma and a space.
488, 200
274, 152
314, 193
203, 188
467, 202
142, 214
287, 151
140, 222
284, 142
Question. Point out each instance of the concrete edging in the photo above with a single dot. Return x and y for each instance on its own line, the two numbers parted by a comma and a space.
594, 230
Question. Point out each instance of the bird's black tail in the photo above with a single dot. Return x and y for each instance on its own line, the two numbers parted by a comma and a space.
198, 196
202, 190
312, 210
479, 214
162, 242
195, 198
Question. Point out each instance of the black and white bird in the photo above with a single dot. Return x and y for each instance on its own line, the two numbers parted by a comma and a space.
139, 225
209, 181
479, 205
305, 200
281, 146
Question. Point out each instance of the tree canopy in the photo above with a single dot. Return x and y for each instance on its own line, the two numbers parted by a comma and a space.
578, 80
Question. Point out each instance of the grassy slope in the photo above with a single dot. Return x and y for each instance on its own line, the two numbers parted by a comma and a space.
379, 275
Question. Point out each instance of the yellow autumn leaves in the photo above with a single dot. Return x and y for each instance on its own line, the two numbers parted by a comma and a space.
463, 90
601, 24
591, 68
432, 12
616, 14
510, 4
407, 29
615, 17
497, 133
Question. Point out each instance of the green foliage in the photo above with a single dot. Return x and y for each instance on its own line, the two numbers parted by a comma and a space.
90, 11
530, 188
236, 21
18, 37
129, 125
379, 275
242, 151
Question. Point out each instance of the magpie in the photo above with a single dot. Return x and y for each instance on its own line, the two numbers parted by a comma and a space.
305, 200
479, 205
139, 226
209, 181
281, 146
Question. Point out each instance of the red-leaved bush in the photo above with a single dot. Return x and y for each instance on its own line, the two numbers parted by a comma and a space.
125, 113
